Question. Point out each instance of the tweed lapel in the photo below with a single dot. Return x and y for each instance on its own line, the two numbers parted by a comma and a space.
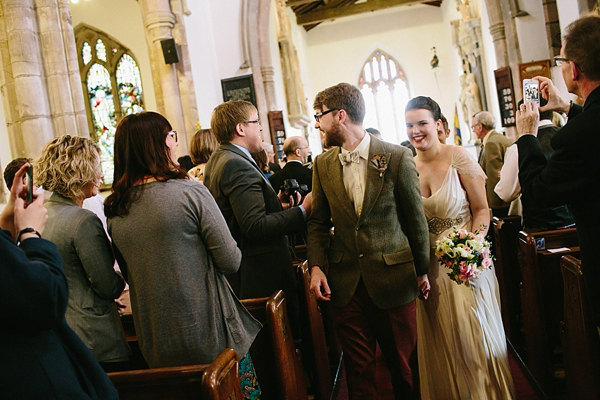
374, 179
335, 177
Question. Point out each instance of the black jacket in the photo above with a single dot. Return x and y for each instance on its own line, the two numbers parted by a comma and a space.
570, 176
292, 170
40, 356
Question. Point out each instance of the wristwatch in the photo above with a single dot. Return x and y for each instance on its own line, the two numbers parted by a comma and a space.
27, 230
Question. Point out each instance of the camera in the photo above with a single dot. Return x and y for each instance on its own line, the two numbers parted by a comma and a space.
291, 186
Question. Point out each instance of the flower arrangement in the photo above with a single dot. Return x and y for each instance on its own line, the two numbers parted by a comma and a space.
466, 254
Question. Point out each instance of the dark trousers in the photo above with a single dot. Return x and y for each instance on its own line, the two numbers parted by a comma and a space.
360, 325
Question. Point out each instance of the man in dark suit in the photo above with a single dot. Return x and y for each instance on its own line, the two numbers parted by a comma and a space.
572, 173
378, 256
491, 157
253, 211
296, 150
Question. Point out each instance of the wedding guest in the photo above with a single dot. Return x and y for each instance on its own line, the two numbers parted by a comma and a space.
172, 240
70, 167
40, 356
203, 145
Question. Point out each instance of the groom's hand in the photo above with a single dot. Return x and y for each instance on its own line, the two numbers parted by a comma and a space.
424, 286
319, 285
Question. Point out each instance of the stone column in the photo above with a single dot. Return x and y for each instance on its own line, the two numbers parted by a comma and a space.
256, 27
184, 71
57, 38
497, 31
22, 79
159, 22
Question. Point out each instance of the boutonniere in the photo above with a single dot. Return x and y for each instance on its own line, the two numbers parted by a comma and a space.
380, 162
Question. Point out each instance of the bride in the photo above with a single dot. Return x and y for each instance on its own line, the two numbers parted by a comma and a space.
461, 342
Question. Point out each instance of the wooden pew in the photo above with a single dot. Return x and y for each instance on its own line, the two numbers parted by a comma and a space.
314, 342
542, 303
278, 367
182, 383
581, 344
508, 271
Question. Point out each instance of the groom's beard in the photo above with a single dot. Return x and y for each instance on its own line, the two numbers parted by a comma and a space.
334, 137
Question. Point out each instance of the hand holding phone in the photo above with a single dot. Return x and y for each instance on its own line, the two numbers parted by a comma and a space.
29, 185
531, 91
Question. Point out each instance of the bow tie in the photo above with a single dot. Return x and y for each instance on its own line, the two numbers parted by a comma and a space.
350, 157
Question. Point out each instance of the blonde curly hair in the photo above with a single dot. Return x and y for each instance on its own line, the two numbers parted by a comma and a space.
67, 164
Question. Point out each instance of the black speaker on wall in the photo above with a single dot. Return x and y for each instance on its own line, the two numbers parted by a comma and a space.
169, 48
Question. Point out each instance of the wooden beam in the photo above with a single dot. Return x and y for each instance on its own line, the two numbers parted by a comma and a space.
293, 3
325, 14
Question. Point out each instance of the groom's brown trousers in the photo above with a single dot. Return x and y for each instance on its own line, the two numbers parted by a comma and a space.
360, 325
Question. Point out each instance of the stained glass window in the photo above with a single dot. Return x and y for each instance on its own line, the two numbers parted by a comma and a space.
129, 82
112, 80
103, 113
86, 53
101, 50
385, 89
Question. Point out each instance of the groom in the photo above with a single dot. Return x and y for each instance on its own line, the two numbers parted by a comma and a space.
378, 255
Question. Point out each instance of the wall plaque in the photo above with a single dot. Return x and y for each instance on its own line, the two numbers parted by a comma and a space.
506, 96
239, 88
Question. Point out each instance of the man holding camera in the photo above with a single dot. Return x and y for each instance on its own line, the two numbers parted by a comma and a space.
252, 209
571, 174
296, 150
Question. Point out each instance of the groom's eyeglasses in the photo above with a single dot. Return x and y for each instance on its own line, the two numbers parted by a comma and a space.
319, 115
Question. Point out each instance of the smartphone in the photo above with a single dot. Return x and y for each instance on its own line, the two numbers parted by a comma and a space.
30, 184
531, 91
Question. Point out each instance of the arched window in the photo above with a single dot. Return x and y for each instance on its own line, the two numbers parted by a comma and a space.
385, 89
113, 87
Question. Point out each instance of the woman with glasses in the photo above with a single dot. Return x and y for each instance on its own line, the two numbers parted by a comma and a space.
70, 168
174, 244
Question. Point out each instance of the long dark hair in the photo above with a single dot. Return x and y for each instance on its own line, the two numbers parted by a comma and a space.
140, 152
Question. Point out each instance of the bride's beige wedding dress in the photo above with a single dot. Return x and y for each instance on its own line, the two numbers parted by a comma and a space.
461, 341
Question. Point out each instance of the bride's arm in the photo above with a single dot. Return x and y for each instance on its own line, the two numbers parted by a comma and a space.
473, 178
475, 187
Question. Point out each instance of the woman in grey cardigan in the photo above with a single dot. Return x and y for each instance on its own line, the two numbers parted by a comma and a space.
176, 246
70, 168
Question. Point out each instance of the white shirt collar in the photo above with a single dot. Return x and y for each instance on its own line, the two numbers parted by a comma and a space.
363, 147
245, 151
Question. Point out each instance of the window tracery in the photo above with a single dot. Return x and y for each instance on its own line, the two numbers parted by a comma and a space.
385, 89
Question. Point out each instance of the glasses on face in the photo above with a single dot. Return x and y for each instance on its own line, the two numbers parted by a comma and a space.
256, 121
474, 126
319, 115
173, 134
559, 60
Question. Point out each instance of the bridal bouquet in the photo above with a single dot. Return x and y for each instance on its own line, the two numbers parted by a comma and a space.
466, 254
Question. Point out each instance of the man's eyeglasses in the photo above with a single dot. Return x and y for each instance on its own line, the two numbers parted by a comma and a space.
317, 116
256, 121
559, 60
173, 134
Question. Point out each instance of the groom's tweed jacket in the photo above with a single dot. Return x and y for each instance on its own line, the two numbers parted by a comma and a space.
388, 244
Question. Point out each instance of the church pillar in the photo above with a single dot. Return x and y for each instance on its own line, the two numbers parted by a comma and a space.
22, 80
184, 71
497, 31
59, 57
257, 36
159, 22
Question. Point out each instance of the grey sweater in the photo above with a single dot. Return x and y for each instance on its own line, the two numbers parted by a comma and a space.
177, 247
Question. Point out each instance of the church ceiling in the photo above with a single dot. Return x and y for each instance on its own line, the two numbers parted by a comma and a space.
310, 13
